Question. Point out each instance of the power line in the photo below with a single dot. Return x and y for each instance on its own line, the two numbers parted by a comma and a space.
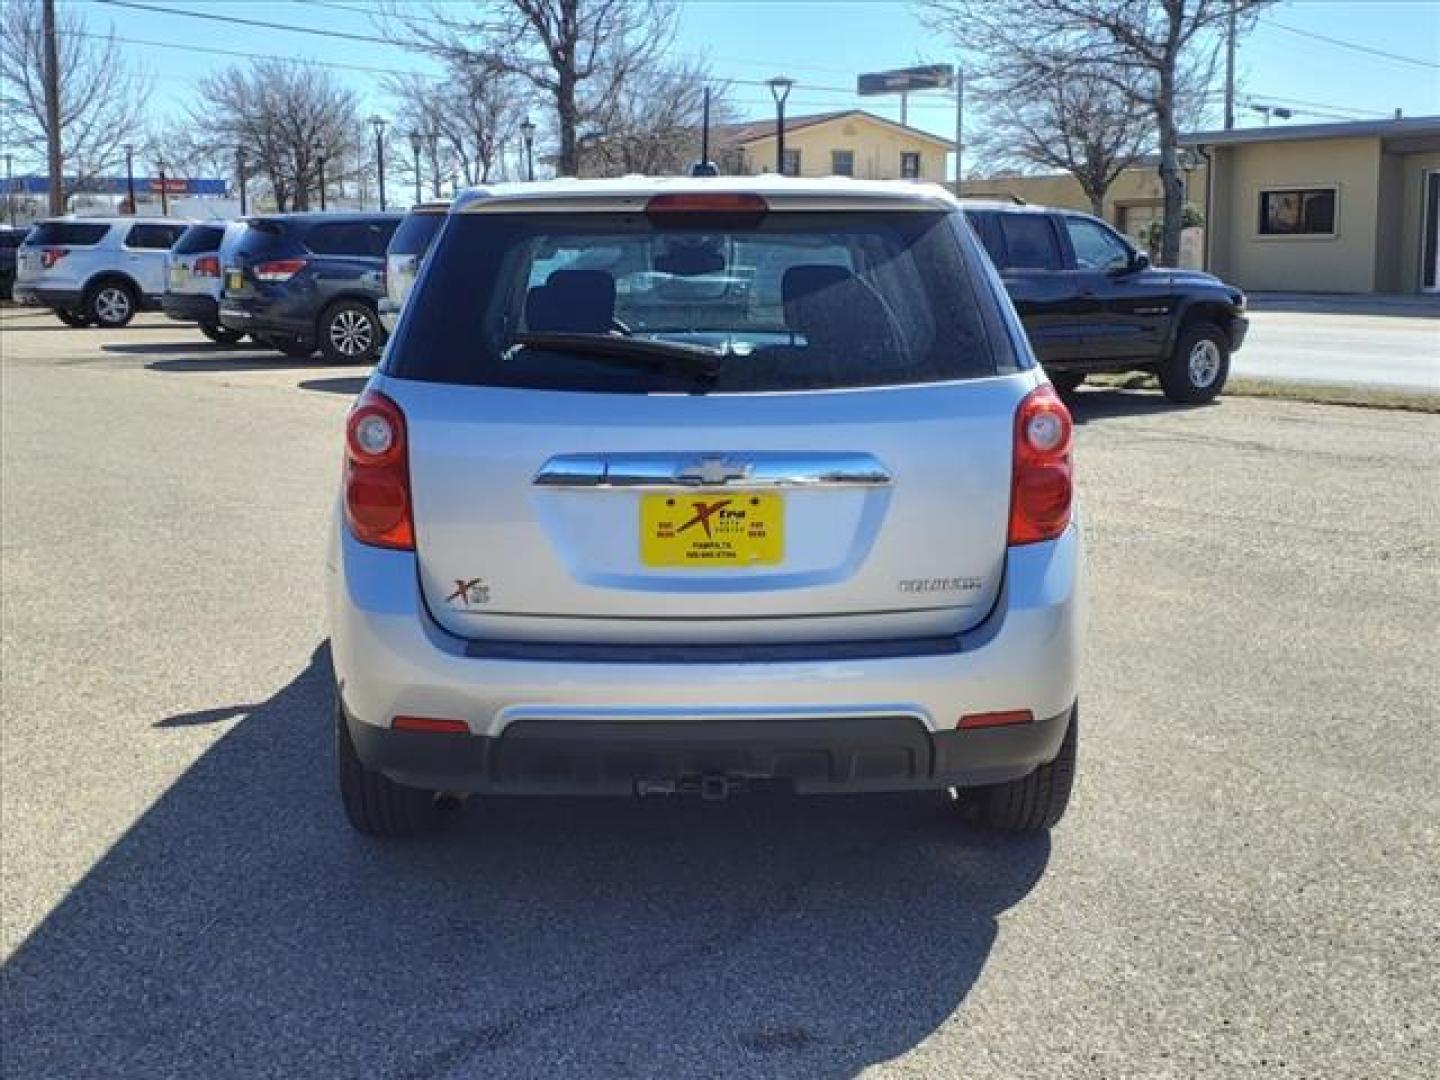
237, 21
1351, 45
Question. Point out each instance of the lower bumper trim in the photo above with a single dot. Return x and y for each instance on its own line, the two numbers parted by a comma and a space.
622, 757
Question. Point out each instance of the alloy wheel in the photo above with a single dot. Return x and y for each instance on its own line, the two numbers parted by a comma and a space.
1204, 363
351, 332
112, 305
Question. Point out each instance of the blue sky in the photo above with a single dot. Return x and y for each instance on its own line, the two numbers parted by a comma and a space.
823, 44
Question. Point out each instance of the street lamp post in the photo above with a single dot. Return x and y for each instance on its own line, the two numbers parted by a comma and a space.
164, 194
379, 122
130, 175
780, 90
527, 133
10, 186
415, 143
434, 138
240, 173
320, 162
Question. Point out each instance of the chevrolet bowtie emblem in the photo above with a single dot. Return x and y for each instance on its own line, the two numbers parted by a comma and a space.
714, 469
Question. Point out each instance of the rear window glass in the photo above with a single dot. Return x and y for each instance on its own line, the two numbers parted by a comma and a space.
799, 301
199, 238
71, 233
415, 234
356, 238
1030, 242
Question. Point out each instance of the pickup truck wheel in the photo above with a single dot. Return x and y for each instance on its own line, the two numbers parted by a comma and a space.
349, 333
74, 319
1034, 803
375, 804
111, 305
222, 336
1197, 369
1066, 382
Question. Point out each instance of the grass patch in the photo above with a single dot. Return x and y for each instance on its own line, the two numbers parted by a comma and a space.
1358, 397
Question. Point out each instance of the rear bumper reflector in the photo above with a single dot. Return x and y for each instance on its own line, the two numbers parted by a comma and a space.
995, 719
431, 724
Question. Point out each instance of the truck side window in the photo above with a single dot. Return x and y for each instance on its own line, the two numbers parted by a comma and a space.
1030, 242
1096, 247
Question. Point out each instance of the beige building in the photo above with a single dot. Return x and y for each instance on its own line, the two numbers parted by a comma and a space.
1351, 207
849, 143
1133, 201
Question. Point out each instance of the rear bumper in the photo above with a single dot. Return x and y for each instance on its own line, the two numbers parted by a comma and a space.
191, 308
265, 318
842, 722
54, 299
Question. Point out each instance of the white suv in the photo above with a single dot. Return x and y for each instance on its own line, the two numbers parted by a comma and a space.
98, 271
670, 486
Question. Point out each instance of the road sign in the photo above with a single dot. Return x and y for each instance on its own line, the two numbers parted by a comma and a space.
906, 80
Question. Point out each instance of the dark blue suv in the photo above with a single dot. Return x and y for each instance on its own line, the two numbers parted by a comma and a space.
300, 282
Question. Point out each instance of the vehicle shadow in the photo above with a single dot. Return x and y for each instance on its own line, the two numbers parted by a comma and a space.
1108, 404
349, 386
254, 360
166, 347
241, 928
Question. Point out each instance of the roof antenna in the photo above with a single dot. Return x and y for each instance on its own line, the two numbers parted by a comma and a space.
705, 167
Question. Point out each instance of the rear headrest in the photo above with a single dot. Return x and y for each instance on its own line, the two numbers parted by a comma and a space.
572, 301
801, 282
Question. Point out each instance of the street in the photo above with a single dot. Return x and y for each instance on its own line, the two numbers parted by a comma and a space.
1246, 884
1344, 344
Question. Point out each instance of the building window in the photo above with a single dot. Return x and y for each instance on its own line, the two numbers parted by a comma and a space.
910, 165
842, 162
790, 163
1298, 212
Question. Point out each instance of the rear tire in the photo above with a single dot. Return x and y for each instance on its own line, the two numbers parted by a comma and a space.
1196, 371
1034, 803
222, 336
1066, 382
375, 804
73, 319
111, 305
350, 333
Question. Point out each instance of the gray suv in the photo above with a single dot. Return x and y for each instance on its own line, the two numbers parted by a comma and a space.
98, 271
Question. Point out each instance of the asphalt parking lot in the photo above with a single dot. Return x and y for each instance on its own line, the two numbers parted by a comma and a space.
1247, 883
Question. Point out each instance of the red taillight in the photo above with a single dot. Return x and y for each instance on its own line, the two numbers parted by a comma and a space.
740, 206
1041, 490
377, 474
50, 256
207, 266
278, 269
433, 724
970, 721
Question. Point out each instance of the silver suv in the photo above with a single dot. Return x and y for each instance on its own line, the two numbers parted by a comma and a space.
691, 486
98, 271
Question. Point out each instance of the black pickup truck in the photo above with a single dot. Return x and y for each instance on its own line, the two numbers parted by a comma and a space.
1091, 302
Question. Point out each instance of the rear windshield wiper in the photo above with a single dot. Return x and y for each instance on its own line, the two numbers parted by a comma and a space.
701, 360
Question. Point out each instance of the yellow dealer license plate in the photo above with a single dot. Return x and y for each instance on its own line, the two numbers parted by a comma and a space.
235, 280
712, 529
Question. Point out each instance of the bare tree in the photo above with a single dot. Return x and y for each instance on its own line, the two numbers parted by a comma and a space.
1148, 49
654, 127
1083, 125
465, 118
578, 54
287, 117
102, 97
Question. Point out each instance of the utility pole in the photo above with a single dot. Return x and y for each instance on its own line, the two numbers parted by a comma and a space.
10, 186
959, 125
51, 78
379, 123
130, 176
1230, 68
240, 172
164, 190
415, 143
